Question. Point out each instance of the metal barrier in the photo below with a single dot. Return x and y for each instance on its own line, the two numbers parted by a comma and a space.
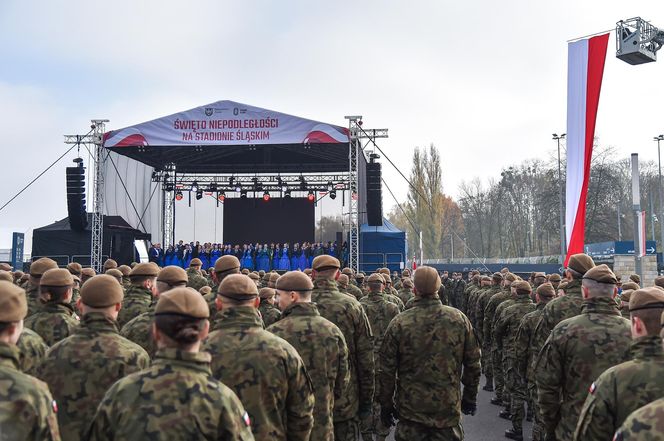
370, 262
63, 260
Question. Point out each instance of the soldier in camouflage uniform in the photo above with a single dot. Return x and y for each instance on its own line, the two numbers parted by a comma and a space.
80, 368
622, 389
577, 351
352, 287
265, 371
319, 342
139, 329
459, 291
125, 270
269, 313
432, 350
27, 409
139, 297
342, 284
554, 280
223, 267
497, 357
75, 269
347, 313
406, 291
644, 424
485, 284
625, 297
480, 308
472, 286
116, 274
32, 351
37, 269
380, 313
196, 279
87, 274
149, 405
359, 278
391, 295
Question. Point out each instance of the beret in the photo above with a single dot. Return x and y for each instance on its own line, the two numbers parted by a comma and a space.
659, 281
635, 278
426, 280
254, 276
405, 273
630, 285
546, 290
57, 277
145, 270
18, 274
646, 298
88, 272
580, 263
133, 264
273, 278
40, 266
294, 281
102, 291
324, 262
261, 273
205, 290
124, 269
238, 287
347, 271
245, 272
172, 275
601, 274
408, 282
555, 277
226, 263
376, 278
360, 276
521, 286
539, 275
183, 301
386, 278
510, 277
563, 285
75, 268
484, 278
497, 276
505, 270
5, 267
13, 304
6, 276
114, 272
626, 295
266, 293
384, 271
24, 277
343, 280
110, 263
307, 271
196, 262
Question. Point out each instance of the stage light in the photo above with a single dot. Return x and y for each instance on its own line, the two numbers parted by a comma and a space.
199, 195
194, 186
222, 196
238, 187
178, 195
213, 187
303, 183
311, 196
287, 194
266, 196
243, 194
333, 194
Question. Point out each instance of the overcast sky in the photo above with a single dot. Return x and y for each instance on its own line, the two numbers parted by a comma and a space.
484, 81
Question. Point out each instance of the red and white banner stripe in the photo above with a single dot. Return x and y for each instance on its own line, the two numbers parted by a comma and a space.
584, 81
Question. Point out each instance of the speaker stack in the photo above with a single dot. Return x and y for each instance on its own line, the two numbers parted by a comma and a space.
374, 193
76, 208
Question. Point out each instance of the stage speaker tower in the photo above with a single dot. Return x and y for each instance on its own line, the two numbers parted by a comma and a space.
76, 208
374, 193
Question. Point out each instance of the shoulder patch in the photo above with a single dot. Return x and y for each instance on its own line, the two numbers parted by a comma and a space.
592, 389
246, 419
54, 404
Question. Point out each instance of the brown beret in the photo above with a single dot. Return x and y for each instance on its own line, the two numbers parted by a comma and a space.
343, 280
102, 291
510, 277
601, 274
324, 262
40, 266
307, 271
261, 273
245, 272
125, 270
426, 280
13, 304
274, 277
226, 263
254, 276
360, 276
555, 277
183, 301
646, 298
635, 278
563, 285
497, 276
266, 293
114, 272
347, 271
521, 286
659, 281
6, 276
376, 278
18, 274
75, 268
145, 270
505, 270
238, 287
539, 275
630, 285
5, 267
546, 290
205, 290
386, 278
24, 277
57, 277
196, 262
405, 273
384, 271
408, 282
110, 263
484, 278
580, 263
88, 272
626, 295
173, 275
294, 281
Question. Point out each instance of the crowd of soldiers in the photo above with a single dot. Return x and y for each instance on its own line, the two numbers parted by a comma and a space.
148, 353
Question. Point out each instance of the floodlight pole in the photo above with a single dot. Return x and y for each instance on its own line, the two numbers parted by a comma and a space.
660, 138
563, 240
636, 206
97, 231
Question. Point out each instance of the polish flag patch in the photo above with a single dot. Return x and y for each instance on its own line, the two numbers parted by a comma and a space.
592, 388
246, 419
55, 406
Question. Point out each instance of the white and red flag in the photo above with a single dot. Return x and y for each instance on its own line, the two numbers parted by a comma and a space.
584, 81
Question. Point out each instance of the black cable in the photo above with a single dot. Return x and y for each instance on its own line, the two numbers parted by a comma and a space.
412, 224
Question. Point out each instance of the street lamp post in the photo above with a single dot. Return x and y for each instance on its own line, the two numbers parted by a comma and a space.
563, 241
660, 138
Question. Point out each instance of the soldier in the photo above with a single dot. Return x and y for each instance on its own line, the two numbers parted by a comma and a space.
459, 291
659, 281
359, 278
265, 371
622, 389
347, 313
28, 409
269, 313
643, 424
149, 404
625, 297
110, 264
390, 294
554, 280
480, 308
116, 274
80, 368
406, 291
352, 288
32, 351
138, 298
538, 279
380, 312
427, 348
636, 279
577, 351
473, 297
196, 280
125, 270
321, 345
342, 284
223, 267
256, 279
87, 274
37, 268
75, 269
139, 329
56, 319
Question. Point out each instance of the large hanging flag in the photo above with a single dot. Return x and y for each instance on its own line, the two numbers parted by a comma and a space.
585, 68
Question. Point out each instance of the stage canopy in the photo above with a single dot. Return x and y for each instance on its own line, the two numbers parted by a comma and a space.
228, 137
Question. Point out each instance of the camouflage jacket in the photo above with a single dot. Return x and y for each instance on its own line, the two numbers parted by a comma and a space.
80, 368
265, 372
480, 308
32, 297
269, 313
490, 311
149, 405
431, 349
27, 409
355, 291
32, 349
471, 296
405, 294
644, 424
506, 328
139, 330
524, 338
137, 300
622, 389
380, 313
196, 280
53, 322
348, 315
578, 350
393, 299
322, 347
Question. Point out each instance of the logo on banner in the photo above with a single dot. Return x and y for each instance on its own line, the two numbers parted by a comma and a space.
209, 111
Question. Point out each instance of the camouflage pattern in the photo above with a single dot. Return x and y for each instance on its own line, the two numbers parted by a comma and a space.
459, 290
139, 330
75, 295
80, 368
53, 322
210, 299
575, 354
432, 350
644, 424
269, 313
442, 295
137, 300
471, 304
355, 291
394, 299
32, 349
622, 389
196, 280
26, 405
148, 405
32, 296
322, 347
485, 344
489, 322
405, 294
348, 315
410, 431
265, 372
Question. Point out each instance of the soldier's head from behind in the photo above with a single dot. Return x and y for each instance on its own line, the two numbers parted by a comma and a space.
225, 266
56, 286
427, 281
485, 281
103, 294
145, 275
272, 283
645, 310
343, 281
509, 278
326, 267
171, 277
497, 279
554, 279
115, 273
408, 284
39, 267
13, 309
538, 279
376, 283
520, 288
293, 287
237, 290
87, 274
181, 319
545, 293
599, 281
578, 265
659, 281
267, 294
196, 264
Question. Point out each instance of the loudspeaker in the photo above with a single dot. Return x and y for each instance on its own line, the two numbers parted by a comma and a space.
374, 195
76, 209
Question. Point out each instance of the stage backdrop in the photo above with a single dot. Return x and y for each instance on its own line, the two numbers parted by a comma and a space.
278, 220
